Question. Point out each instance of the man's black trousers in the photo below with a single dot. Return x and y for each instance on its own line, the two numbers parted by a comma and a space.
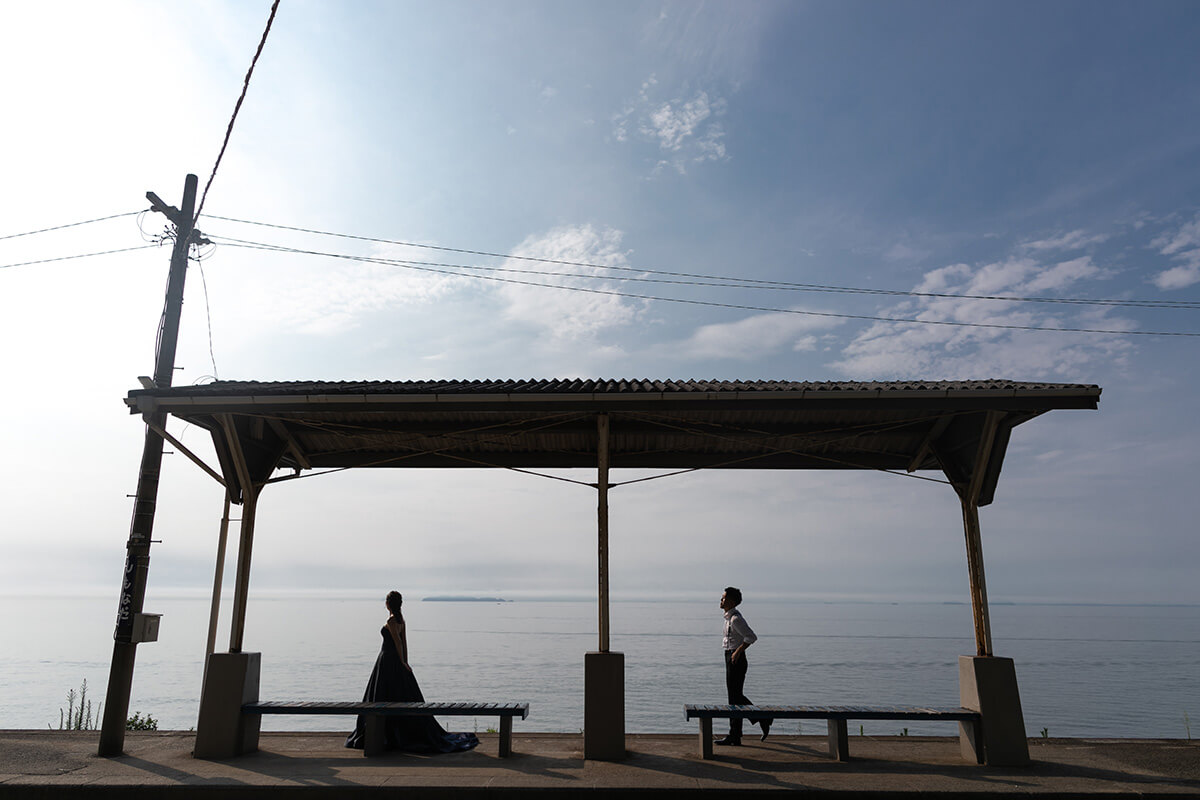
735, 681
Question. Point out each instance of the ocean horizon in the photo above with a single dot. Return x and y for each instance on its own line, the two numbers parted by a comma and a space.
1085, 669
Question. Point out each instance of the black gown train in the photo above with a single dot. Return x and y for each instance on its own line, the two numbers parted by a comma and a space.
390, 681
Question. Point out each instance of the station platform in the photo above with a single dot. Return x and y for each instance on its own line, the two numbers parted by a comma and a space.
58, 764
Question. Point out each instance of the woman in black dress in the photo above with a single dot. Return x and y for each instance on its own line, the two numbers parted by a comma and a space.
392, 679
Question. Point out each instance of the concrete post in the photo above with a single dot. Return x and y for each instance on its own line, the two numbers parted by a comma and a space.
604, 706
989, 685
222, 731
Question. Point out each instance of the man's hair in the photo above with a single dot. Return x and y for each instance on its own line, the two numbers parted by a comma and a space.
394, 601
734, 594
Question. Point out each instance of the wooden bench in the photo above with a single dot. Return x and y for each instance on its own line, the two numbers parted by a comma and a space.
839, 740
374, 714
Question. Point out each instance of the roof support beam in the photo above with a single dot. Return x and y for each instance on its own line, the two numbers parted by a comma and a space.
293, 446
934, 434
161, 430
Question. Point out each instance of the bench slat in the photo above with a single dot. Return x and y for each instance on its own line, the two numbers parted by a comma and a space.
832, 712
388, 709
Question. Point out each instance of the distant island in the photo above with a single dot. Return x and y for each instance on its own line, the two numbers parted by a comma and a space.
464, 599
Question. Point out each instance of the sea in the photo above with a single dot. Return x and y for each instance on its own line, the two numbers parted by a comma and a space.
1083, 670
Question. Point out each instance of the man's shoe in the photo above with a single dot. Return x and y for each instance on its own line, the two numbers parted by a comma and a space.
726, 740
766, 728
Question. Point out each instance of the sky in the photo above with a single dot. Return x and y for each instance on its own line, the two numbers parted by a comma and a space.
1030, 149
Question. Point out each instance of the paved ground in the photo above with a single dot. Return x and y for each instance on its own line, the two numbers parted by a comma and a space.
64, 764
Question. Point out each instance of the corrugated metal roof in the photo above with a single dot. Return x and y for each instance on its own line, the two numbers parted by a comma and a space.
606, 386
671, 424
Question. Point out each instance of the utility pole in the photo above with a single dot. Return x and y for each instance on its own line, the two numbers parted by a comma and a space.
137, 559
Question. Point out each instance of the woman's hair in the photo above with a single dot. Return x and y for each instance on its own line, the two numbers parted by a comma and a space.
394, 601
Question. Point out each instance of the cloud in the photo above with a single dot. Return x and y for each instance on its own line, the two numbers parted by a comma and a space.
1187, 236
672, 124
1182, 276
569, 316
1176, 244
335, 301
1072, 240
753, 337
1065, 273
686, 129
935, 351
902, 252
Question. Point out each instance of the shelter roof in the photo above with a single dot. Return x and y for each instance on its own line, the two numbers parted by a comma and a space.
656, 424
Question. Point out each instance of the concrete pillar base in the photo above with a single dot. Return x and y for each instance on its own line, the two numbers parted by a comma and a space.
604, 706
988, 684
222, 731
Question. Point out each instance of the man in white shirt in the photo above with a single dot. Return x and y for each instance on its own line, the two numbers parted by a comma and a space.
738, 636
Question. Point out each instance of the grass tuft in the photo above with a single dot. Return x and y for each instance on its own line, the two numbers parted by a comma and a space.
78, 717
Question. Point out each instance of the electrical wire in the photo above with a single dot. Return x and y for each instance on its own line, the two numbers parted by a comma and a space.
168, 231
207, 315
81, 255
236, 108
70, 225
733, 281
709, 303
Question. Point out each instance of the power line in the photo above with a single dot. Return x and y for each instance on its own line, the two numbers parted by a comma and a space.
755, 283
236, 108
81, 255
70, 225
710, 303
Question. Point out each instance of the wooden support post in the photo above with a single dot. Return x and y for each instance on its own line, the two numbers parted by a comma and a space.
241, 588
970, 509
602, 524
215, 608
604, 670
979, 601
137, 558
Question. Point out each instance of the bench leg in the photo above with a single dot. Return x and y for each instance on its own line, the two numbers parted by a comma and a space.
706, 737
970, 737
839, 741
375, 742
505, 737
